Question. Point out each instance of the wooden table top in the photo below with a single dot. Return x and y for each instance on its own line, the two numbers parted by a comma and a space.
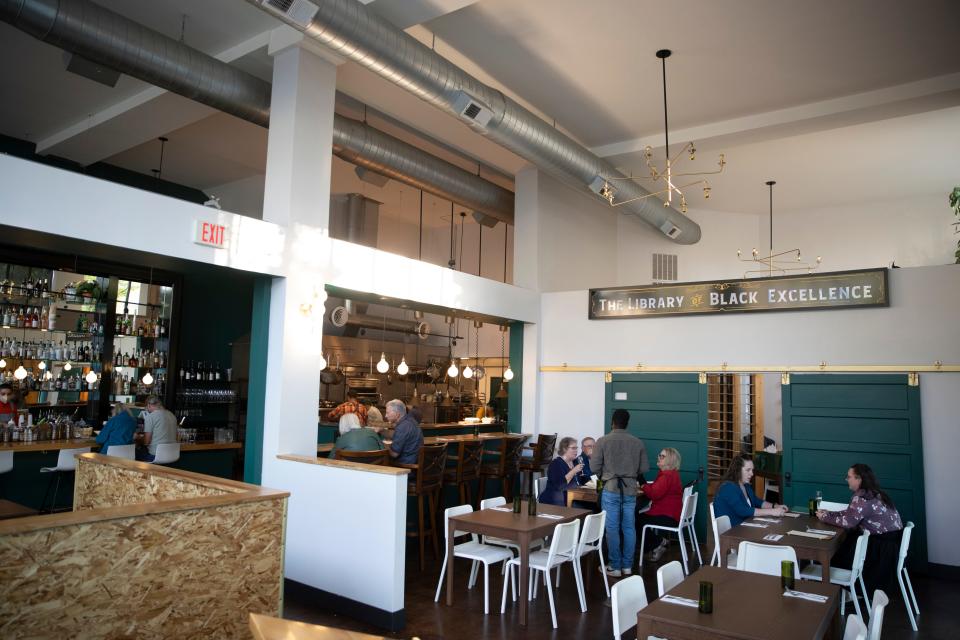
270, 628
507, 524
79, 443
738, 534
745, 605
10, 509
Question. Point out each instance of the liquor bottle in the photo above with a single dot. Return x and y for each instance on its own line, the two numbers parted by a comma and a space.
20, 318
28, 288
182, 374
126, 386
218, 372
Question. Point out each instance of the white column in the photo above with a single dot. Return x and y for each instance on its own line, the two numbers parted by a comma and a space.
526, 273
297, 196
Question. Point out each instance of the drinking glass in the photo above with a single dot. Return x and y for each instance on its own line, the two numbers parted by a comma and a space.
786, 575
819, 498
705, 605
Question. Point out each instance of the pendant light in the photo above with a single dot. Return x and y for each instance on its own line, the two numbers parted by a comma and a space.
383, 366
91, 378
67, 366
42, 365
467, 371
48, 376
3, 363
453, 372
402, 368
147, 379
20, 373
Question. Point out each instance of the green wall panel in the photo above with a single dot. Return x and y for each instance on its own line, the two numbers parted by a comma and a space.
854, 396
257, 386
851, 429
515, 386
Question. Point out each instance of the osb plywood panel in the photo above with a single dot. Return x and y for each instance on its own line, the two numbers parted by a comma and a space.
183, 574
103, 485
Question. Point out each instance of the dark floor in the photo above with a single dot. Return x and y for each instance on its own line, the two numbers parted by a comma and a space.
939, 606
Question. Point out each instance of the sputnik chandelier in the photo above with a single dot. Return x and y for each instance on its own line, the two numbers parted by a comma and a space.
779, 263
664, 185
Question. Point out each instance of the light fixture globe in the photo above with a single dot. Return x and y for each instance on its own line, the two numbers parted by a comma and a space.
467, 372
402, 368
67, 366
20, 373
48, 376
91, 378
453, 372
3, 363
508, 374
323, 362
383, 366
41, 365
147, 378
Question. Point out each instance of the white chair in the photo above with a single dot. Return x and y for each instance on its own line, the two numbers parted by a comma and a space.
66, 463
500, 501
833, 506
880, 602
472, 550
687, 515
127, 451
846, 577
541, 484
720, 526
167, 453
904, 578
628, 597
563, 546
668, 576
6, 461
764, 558
591, 539
855, 629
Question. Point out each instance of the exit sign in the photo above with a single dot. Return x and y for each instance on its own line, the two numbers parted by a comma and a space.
211, 234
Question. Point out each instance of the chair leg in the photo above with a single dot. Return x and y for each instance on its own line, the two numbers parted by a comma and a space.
420, 532
578, 576
56, 490
553, 610
558, 576
906, 600
474, 566
866, 596
843, 603
913, 598
603, 569
46, 494
503, 598
696, 545
480, 490
443, 571
432, 503
643, 545
513, 582
683, 552
463, 493
486, 588
856, 601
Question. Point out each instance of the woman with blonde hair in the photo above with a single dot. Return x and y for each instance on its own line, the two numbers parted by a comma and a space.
562, 474
118, 430
666, 501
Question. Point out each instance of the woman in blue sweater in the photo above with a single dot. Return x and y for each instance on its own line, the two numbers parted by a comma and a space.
562, 474
118, 430
735, 497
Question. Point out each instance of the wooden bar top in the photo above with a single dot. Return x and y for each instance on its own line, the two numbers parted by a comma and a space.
57, 445
270, 628
344, 464
328, 446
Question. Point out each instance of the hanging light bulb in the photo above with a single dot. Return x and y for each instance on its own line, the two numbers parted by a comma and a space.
323, 362
402, 368
3, 363
383, 366
20, 373
508, 374
92, 377
453, 372
41, 365
67, 366
467, 372
48, 376
147, 379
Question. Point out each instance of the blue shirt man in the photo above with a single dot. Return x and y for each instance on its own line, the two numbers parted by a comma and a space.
407, 435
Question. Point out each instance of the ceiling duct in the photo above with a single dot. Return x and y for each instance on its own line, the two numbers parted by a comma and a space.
340, 317
113, 41
354, 218
355, 32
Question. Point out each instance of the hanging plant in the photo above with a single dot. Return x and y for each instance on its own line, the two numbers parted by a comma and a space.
955, 205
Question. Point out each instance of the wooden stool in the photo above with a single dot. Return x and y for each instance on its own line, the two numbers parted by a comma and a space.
542, 456
427, 484
376, 456
469, 458
506, 467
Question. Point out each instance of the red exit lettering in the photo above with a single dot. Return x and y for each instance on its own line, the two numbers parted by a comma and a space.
212, 234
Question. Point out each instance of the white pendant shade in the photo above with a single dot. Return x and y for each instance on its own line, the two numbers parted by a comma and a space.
41, 365
467, 372
3, 363
67, 366
92, 377
20, 373
453, 372
147, 378
402, 368
48, 376
508, 374
383, 366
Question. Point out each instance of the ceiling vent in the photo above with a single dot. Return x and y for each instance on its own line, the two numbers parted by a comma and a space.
664, 267
671, 230
300, 11
472, 109
339, 316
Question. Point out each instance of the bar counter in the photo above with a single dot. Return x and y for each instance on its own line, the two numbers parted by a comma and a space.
78, 443
325, 448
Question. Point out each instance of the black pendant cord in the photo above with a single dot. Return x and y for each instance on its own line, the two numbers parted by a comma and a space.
463, 216
420, 247
451, 262
163, 144
480, 252
506, 229
663, 54
770, 185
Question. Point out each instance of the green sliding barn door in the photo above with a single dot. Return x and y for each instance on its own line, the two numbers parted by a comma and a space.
831, 422
667, 410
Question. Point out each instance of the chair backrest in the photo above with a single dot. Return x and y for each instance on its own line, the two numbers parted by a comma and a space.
764, 558
6, 461
127, 451
511, 450
669, 576
833, 506
487, 503
543, 454
880, 602
859, 555
167, 453
430, 463
564, 541
854, 629
689, 510
541, 484
720, 525
904, 545
591, 536
374, 456
687, 491
453, 512
627, 598
66, 459
469, 460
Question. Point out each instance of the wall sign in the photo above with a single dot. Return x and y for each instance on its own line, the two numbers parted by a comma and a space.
838, 290
211, 234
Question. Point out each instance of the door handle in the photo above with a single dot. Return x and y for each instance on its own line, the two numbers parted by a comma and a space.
700, 474
786, 479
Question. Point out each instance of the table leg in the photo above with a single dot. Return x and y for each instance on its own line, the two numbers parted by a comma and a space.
569, 499
451, 527
824, 559
725, 547
524, 542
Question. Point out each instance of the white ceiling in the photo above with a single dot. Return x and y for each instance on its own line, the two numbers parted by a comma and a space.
839, 102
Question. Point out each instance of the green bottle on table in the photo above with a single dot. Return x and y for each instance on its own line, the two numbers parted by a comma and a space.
532, 505
516, 503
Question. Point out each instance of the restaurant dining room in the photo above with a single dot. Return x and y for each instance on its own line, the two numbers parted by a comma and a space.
479, 319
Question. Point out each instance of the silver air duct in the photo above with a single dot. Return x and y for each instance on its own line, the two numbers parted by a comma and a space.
355, 32
341, 317
109, 39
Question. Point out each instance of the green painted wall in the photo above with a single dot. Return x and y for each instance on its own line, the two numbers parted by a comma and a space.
515, 386
256, 392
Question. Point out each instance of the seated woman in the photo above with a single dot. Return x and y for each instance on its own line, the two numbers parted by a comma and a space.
353, 437
118, 430
666, 501
562, 474
870, 509
735, 497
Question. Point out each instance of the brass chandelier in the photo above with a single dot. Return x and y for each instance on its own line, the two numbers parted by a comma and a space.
664, 185
780, 263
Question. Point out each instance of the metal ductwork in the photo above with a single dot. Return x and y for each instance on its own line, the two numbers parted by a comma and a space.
109, 39
341, 317
353, 31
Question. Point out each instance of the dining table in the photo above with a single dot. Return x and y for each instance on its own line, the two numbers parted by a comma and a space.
794, 530
746, 606
521, 528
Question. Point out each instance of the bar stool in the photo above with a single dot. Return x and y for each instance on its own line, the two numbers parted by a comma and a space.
127, 451
167, 453
376, 456
66, 463
506, 467
542, 456
6, 465
427, 485
469, 458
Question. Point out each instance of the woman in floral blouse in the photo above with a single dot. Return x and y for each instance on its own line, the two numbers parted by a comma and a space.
870, 509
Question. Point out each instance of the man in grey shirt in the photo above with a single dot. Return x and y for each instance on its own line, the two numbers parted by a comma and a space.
159, 427
619, 459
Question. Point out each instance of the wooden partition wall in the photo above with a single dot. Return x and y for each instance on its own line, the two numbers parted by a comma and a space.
148, 552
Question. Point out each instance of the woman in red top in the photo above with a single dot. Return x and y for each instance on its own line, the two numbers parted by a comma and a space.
666, 496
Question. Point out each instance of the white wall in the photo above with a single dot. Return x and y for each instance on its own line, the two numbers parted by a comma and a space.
919, 327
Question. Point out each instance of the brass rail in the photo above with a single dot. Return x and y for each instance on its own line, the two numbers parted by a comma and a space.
936, 367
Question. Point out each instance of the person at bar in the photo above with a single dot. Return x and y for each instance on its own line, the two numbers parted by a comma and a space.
666, 501
586, 452
118, 430
562, 474
407, 435
351, 405
8, 403
354, 437
735, 497
159, 427
870, 509
486, 411
374, 417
